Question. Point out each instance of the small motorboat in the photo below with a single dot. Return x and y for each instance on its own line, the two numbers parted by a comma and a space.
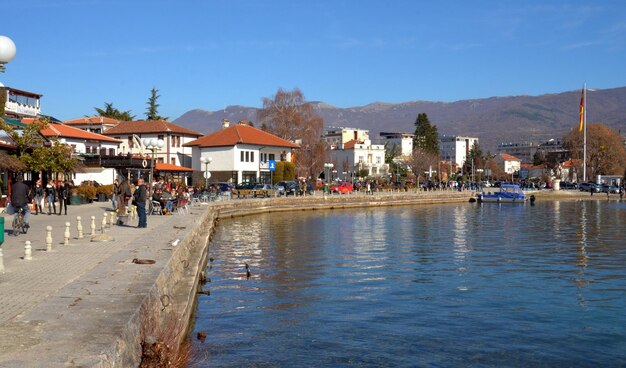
509, 193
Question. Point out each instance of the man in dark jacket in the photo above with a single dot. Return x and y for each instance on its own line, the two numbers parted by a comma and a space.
20, 198
140, 196
63, 193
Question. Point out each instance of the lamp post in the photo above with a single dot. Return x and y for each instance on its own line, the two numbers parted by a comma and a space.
153, 145
206, 161
7, 51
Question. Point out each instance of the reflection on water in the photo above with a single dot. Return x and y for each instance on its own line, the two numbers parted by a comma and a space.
455, 285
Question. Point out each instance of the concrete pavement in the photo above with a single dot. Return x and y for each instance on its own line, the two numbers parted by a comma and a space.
64, 308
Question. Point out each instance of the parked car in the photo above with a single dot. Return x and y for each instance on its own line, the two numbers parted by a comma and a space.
569, 185
279, 190
224, 187
291, 187
588, 187
262, 190
607, 188
342, 188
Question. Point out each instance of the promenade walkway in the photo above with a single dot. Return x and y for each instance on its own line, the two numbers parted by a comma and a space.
62, 308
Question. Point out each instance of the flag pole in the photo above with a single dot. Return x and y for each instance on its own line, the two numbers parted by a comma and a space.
585, 132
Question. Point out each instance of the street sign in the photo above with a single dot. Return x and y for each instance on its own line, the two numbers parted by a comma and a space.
207, 175
272, 165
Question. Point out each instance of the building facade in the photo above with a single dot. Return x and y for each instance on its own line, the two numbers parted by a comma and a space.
21, 104
355, 156
403, 143
238, 154
335, 137
455, 149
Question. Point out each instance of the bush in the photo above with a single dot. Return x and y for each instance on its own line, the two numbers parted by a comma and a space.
86, 192
107, 190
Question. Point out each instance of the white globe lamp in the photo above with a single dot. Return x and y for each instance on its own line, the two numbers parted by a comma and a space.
7, 51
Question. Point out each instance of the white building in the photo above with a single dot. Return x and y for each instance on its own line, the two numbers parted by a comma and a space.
359, 155
239, 153
94, 124
174, 152
455, 149
402, 141
21, 104
510, 164
335, 137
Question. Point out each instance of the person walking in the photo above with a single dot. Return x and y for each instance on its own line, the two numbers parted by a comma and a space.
51, 196
63, 192
39, 196
140, 196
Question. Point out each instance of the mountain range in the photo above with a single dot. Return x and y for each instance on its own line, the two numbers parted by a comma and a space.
493, 120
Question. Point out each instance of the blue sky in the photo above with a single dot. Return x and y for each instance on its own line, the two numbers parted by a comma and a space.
210, 54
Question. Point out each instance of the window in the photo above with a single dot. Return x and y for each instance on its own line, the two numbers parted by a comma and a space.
242, 155
111, 151
247, 156
173, 161
130, 142
252, 156
378, 160
272, 157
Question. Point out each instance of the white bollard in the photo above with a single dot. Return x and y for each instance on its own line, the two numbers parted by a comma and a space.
67, 233
93, 225
79, 227
48, 238
112, 219
104, 222
1, 261
28, 253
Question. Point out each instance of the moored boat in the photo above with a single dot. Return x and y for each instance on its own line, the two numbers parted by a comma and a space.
509, 193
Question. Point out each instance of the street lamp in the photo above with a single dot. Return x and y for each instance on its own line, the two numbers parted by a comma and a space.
327, 167
206, 161
153, 145
7, 51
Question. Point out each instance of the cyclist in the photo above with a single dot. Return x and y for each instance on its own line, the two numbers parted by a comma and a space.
20, 198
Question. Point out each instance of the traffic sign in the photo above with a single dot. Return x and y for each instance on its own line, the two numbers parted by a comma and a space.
272, 165
207, 175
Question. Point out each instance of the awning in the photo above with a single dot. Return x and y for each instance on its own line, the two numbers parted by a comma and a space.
8, 162
162, 166
14, 122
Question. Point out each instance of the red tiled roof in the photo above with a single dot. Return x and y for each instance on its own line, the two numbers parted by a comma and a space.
64, 131
94, 120
240, 134
507, 157
149, 126
351, 143
162, 166
571, 163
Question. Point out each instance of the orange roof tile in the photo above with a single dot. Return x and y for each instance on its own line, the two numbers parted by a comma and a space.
149, 126
507, 157
63, 131
94, 120
241, 134
351, 143
162, 166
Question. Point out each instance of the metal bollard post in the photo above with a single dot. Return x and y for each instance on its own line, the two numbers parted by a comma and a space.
93, 225
67, 234
48, 238
79, 227
1, 261
104, 222
28, 253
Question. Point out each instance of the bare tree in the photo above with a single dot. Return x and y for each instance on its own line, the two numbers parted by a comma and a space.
421, 161
290, 117
605, 150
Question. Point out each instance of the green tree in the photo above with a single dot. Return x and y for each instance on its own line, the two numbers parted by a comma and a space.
538, 158
426, 135
26, 138
3, 100
111, 112
289, 171
606, 154
152, 112
278, 173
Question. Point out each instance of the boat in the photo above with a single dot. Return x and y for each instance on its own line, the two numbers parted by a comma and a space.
509, 193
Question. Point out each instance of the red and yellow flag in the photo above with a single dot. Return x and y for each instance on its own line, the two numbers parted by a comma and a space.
582, 111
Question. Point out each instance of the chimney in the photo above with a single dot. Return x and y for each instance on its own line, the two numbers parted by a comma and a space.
225, 123
243, 122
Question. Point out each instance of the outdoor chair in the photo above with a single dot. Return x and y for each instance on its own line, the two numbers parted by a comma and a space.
156, 208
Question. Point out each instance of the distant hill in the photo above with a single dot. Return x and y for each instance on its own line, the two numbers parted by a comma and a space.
493, 120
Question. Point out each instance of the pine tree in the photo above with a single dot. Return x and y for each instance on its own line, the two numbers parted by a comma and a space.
426, 135
152, 112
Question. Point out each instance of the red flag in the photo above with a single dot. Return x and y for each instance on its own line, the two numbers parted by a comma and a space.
582, 110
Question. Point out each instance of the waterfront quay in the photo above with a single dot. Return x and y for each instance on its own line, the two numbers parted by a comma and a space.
88, 304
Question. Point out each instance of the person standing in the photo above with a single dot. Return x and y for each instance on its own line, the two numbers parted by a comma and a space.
63, 194
140, 196
39, 196
123, 194
116, 188
51, 196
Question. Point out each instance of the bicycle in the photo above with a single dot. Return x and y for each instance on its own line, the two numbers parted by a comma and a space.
19, 226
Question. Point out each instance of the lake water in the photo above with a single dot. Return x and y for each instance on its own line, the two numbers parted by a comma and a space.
446, 285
